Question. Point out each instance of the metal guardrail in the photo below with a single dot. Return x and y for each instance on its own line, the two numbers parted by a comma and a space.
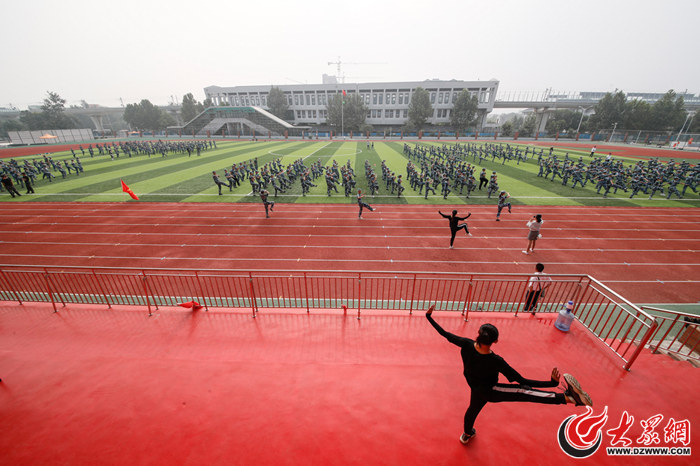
615, 321
676, 333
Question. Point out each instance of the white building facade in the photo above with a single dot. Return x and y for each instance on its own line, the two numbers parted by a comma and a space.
387, 103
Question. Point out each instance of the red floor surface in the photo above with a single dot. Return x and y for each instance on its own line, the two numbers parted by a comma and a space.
93, 386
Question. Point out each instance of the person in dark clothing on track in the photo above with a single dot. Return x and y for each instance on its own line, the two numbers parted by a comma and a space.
455, 226
362, 204
481, 369
269, 205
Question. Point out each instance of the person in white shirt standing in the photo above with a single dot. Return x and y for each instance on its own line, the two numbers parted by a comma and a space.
534, 225
535, 288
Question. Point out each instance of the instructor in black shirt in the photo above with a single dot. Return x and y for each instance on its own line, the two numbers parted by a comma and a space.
481, 369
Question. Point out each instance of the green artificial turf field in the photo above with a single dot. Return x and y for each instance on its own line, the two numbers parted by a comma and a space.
179, 178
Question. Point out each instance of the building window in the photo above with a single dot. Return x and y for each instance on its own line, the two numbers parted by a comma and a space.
405, 113
400, 99
440, 97
393, 99
298, 114
374, 99
381, 98
432, 97
379, 113
296, 99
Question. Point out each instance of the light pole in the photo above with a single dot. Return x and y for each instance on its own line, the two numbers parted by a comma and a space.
613, 132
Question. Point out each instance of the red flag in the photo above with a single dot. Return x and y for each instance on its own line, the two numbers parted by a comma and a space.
194, 305
344, 93
128, 190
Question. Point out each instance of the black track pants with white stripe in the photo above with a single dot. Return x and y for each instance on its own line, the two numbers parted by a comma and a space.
504, 392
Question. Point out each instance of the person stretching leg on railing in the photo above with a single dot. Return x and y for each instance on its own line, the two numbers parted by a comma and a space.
481, 369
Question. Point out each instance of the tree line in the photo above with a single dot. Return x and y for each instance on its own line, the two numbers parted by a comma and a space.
350, 112
139, 116
616, 110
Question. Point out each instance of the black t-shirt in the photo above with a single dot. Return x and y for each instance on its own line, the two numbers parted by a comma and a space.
480, 370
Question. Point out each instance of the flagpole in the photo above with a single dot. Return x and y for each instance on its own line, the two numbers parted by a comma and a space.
342, 115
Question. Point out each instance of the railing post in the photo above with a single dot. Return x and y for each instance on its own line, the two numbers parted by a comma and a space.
642, 344
517, 309
145, 291
48, 287
579, 291
359, 293
670, 327
9, 286
201, 293
99, 284
413, 290
582, 292
252, 294
306, 292
468, 301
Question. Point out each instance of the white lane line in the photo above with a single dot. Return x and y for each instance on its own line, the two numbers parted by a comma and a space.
326, 246
306, 235
341, 214
275, 259
306, 222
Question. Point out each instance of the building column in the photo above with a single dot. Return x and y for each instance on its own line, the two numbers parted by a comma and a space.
542, 117
97, 121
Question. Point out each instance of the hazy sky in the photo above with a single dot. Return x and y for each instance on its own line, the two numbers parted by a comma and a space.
151, 49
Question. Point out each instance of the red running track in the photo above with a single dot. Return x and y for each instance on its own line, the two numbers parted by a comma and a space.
649, 255
623, 150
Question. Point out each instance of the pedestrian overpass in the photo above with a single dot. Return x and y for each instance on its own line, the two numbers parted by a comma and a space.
240, 121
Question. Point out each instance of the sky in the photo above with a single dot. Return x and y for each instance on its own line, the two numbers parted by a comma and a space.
114, 53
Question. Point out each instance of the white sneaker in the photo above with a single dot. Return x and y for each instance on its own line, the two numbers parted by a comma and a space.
525, 252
